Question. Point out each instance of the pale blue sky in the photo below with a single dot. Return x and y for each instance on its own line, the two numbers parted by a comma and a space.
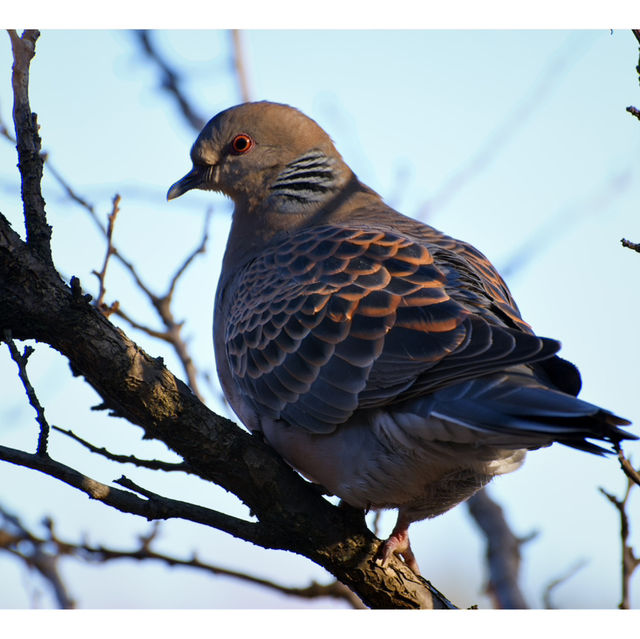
510, 135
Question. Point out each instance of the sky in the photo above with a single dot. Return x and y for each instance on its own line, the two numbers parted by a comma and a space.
516, 141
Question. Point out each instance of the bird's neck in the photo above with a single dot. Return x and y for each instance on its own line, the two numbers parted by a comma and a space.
310, 191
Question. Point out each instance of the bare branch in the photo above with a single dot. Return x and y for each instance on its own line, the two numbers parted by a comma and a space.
28, 144
153, 464
21, 361
154, 507
626, 466
17, 540
558, 581
100, 305
239, 65
162, 335
202, 248
631, 109
629, 561
172, 334
170, 80
503, 551
631, 245
162, 304
44, 552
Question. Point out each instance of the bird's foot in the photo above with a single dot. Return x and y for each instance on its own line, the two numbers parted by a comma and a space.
398, 544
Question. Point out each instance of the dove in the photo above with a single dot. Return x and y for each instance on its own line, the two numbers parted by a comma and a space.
381, 358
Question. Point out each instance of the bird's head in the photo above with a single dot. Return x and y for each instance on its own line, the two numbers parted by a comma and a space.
263, 151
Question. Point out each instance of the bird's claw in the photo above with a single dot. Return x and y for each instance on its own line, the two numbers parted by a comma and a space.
397, 544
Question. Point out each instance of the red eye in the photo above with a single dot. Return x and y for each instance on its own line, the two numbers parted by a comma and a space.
241, 143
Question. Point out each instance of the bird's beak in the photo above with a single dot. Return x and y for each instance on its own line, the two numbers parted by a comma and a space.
192, 180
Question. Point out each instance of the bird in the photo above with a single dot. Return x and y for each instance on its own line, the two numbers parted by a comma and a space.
382, 359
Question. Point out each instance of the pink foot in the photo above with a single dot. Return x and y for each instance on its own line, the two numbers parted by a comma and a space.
398, 544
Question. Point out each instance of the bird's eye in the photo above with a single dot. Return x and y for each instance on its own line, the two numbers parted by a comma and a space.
241, 143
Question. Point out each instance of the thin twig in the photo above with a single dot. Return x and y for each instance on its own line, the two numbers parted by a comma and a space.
172, 334
629, 561
152, 332
100, 305
161, 303
42, 552
153, 464
20, 542
626, 243
199, 250
558, 581
21, 361
626, 465
170, 80
153, 507
239, 65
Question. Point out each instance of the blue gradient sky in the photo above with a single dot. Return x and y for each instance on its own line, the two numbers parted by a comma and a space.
517, 141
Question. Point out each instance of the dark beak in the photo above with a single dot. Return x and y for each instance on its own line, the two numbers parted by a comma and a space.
191, 180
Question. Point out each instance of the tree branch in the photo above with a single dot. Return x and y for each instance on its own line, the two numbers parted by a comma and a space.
43, 553
503, 551
170, 80
108, 253
626, 466
17, 540
629, 561
152, 464
558, 581
28, 143
154, 507
239, 65
626, 243
21, 361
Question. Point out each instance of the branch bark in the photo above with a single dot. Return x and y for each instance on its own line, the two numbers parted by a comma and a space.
30, 161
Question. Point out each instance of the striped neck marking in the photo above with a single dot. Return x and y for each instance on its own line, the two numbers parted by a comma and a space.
306, 180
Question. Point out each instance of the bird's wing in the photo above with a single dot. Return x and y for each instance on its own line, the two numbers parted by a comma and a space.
334, 319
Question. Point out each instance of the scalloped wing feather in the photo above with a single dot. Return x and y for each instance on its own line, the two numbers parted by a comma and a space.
334, 319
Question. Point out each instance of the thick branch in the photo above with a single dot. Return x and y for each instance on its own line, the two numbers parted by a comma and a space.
30, 161
503, 551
